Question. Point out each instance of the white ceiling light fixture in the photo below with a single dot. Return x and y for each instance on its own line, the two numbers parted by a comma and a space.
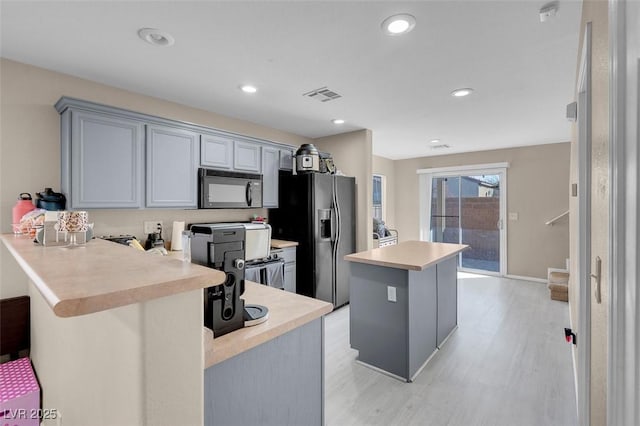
156, 37
398, 24
459, 93
247, 88
337, 121
434, 141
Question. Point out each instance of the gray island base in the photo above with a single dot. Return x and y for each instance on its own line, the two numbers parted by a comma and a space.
403, 305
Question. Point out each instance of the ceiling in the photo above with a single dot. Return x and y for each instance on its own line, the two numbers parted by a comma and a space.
522, 70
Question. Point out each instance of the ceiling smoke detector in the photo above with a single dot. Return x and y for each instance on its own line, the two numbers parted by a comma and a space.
548, 11
322, 94
156, 37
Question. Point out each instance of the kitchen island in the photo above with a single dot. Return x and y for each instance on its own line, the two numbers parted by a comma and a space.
403, 302
117, 335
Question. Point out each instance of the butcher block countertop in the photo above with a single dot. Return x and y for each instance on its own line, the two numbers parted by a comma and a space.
103, 275
282, 243
410, 255
287, 311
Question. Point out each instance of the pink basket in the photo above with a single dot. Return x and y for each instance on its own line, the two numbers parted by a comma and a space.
19, 394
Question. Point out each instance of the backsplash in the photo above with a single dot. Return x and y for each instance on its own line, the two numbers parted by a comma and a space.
121, 221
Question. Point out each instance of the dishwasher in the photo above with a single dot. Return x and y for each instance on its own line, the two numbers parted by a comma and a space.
268, 271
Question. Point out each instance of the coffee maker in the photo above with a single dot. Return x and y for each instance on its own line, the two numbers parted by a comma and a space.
221, 246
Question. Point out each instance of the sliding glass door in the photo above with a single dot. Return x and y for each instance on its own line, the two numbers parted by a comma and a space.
467, 208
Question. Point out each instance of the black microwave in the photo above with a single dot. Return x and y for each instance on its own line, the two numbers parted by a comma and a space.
219, 189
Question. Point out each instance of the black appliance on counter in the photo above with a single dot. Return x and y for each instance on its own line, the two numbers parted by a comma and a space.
318, 211
221, 246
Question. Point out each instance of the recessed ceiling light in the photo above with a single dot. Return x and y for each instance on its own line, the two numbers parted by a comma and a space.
247, 88
337, 121
458, 93
434, 141
156, 37
398, 24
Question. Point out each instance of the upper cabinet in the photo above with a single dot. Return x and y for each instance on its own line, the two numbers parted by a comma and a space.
216, 152
286, 159
246, 156
270, 167
102, 158
172, 167
115, 158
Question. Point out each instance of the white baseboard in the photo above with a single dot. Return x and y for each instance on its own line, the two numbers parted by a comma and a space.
519, 277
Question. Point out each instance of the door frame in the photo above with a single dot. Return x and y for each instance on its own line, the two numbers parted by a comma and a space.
425, 177
623, 374
583, 280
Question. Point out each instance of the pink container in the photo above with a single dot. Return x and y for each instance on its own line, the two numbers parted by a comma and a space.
23, 206
19, 394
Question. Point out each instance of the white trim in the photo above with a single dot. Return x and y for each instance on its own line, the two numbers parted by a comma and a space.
623, 372
466, 168
523, 278
583, 278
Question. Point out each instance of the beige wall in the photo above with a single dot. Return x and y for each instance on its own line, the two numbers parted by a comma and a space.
30, 150
537, 189
352, 154
596, 12
386, 167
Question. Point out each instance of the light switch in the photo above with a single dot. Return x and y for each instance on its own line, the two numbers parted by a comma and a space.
391, 293
513, 216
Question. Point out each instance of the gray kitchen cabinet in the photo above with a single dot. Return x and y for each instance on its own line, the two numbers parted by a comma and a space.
289, 256
270, 168
216, 152
246, 156
286, 159
102, 160
172, 164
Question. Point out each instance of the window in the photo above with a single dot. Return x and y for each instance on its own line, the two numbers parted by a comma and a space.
378, 197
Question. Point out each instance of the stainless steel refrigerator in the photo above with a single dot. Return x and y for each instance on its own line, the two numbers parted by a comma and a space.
318, 211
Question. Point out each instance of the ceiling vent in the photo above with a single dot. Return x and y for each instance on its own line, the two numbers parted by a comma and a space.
322, 94
441, 146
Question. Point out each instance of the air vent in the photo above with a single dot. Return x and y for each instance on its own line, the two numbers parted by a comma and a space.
322, 94
441, 146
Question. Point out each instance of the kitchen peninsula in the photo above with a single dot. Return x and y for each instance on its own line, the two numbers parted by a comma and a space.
403, 304
117, 335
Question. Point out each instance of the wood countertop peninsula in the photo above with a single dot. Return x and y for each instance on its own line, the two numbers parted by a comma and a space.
283, 243
410, 255
287, 311
103, 275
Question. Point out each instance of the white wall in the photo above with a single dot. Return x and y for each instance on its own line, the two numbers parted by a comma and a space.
352, 154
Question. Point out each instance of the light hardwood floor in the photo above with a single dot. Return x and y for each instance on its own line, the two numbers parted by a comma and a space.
507, 364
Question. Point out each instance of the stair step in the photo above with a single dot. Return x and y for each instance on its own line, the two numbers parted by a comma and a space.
558, 277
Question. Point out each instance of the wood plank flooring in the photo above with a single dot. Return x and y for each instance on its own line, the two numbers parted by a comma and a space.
507, 364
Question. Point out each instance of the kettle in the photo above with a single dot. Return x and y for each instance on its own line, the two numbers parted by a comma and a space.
307, 159
50, 200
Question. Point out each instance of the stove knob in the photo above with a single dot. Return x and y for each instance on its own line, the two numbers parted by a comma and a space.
238, 263
275, 256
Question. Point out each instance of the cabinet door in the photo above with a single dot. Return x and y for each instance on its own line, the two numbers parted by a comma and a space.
286, 159
106, 161
216, 152
270, 167
290, 277
171, 167
246, 156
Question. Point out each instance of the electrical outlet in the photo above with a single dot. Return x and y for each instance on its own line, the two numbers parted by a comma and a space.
152, 226
391, 293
